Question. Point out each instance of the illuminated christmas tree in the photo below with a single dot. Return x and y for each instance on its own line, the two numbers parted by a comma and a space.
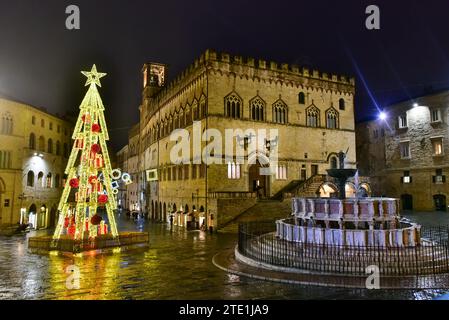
88, 191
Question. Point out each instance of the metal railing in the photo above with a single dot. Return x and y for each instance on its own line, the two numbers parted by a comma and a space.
257, 241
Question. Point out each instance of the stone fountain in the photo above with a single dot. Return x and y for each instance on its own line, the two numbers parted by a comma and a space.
327, 238
341, 175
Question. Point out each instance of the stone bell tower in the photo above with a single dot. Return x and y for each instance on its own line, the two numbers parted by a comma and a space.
153, 81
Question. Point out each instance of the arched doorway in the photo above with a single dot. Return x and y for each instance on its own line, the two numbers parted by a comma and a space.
165, 212
439, 201
160, 211
257, 182
407, 202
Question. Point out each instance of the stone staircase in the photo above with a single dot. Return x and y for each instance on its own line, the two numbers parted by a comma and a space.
306, 188
263, 210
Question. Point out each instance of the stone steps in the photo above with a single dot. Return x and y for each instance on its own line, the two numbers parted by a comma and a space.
263, 210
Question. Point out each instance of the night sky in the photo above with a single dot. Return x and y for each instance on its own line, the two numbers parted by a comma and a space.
40, 60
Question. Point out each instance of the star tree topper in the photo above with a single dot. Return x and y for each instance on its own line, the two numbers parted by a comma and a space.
93, 76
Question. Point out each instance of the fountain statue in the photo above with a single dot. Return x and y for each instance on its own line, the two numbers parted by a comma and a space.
341, 175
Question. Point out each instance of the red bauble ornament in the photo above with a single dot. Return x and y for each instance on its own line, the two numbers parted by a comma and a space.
96, 128
71, 230
96, 220
95, 148
93, 179
74, 183
66, 222
102, 198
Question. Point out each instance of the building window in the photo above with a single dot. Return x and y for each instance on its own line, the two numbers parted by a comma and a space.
406, 179
437, 145
180, 173
7, 124
375, 133
439, 178
403, 121
58, 128
51, 125
5, 159
50, 146
186, 172
202, 170
33, 120
302, 98
332, 119
405, 150
435, 115
280, 112
342, 104
49, 182
40, 178
257, 109
174, 173
194, 171
169, 174
233, 170
233, 106
30, 179
313, 117
281, 172
42, 123
32, 141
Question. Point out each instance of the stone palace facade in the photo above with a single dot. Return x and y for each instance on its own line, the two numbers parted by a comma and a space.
313, 113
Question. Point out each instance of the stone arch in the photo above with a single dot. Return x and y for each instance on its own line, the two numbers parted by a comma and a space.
350, 190
365, 190
258, 156
327, 190
233, 105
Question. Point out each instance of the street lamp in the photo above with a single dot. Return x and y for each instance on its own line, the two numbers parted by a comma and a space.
382, 116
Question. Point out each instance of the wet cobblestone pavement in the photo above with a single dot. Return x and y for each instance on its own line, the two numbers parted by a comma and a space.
178, 265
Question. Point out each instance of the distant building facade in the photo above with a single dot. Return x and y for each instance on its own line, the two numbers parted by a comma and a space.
34, 150
407, 154
312, 111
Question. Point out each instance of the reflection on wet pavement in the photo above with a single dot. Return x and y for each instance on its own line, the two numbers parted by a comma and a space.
178, 265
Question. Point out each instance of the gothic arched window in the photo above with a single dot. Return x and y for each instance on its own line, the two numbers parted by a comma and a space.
233, 106
313, 117
280, 112
342, 104
30, 179
332, 119
302, 98
257, 109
